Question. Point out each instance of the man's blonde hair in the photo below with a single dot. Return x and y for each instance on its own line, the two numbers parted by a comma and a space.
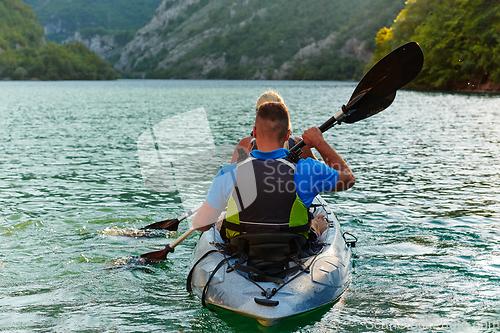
269, 96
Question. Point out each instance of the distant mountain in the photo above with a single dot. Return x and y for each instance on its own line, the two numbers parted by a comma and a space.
257, 39
224, 39
460, 40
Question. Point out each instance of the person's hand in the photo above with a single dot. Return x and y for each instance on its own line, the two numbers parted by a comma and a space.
313, 137
219, 221
319, 223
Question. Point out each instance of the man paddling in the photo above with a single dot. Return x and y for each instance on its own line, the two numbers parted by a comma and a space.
268, 192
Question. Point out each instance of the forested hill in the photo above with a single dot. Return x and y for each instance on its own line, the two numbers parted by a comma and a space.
460, 40
24, 54
252, 39
258, 39
18, 26
62, 18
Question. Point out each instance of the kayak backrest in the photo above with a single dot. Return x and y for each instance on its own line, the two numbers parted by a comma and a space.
263, 249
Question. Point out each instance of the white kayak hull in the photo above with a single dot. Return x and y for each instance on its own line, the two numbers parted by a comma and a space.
328, 277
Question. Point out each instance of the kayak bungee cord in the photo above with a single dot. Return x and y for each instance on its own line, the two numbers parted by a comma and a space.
239, 268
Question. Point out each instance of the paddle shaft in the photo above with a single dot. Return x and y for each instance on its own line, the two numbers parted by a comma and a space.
191, 212
297, 149
182, 238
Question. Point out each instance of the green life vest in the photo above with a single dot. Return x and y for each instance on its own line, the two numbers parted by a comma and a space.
265, 200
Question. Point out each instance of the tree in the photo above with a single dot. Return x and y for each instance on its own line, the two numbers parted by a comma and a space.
460, 40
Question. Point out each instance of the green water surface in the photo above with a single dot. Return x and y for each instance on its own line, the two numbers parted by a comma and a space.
426, 207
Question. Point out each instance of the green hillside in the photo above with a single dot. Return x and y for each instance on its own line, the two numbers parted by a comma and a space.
248, 39
362, 22
18, 26
62, 18
252, 39
460, 40
24, 54
268, 34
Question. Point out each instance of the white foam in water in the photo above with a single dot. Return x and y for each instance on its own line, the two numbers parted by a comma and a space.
133, 232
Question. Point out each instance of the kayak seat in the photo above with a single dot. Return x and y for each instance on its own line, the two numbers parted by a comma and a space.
262, 258
270, 247
267, 257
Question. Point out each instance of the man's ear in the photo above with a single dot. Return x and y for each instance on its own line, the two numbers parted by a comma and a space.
255, 132
288, 133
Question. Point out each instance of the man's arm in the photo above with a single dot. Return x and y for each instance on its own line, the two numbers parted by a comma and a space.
216, 199
314, 138
244, 144
205, 217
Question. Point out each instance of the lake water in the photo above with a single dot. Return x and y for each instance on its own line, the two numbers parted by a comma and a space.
426, 206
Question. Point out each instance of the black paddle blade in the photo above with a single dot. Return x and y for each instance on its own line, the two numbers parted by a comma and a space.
157, 256
361, 113
377, 89
171, 225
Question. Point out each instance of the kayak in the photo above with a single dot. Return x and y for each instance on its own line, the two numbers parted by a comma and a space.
319, 277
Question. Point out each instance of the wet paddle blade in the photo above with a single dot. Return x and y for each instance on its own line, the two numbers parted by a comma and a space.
364, 111
401, 66
157, 256
171, 225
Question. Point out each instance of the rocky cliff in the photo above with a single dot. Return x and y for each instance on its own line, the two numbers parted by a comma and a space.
105, 45
254, 39
158, 36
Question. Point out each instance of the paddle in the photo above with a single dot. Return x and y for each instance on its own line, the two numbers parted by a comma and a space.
173, 224
162, 254
377, 89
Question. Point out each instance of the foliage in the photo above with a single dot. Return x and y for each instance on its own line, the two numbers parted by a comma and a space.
18, 26
110, 14
122, 37
53, 62
460, 39
23, 54
328, 66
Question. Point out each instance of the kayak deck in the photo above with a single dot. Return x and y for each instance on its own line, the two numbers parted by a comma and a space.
326, 277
